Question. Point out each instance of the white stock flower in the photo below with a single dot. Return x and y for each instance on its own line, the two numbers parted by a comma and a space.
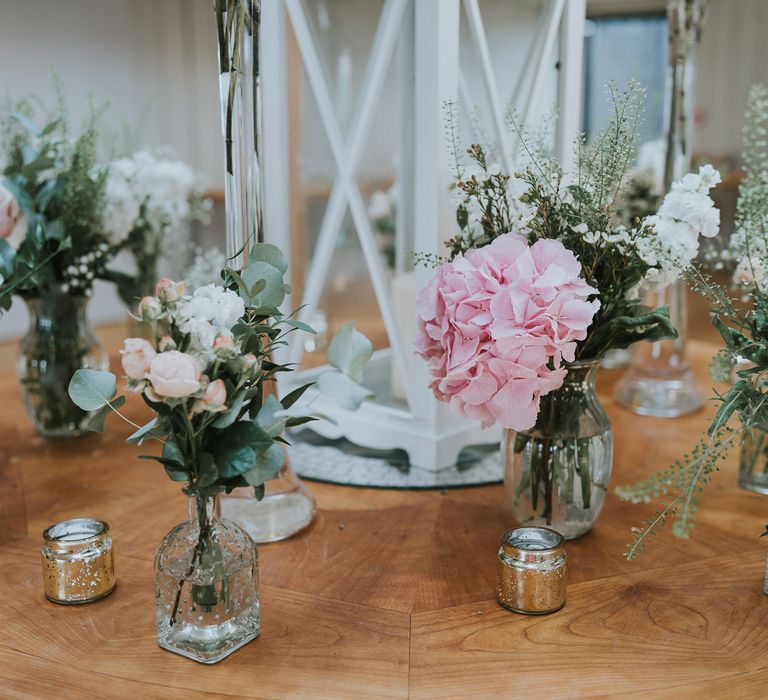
686, 213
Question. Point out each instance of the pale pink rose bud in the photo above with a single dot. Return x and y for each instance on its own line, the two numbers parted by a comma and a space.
166, 343
223, 342
137, 355
174, 374
150, 309
251, 365
13, 224
169, 291
214, 398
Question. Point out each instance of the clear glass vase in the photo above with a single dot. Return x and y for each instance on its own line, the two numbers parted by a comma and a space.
206, 585
753, 462
556, 475
287, 507
659, 381
58, 343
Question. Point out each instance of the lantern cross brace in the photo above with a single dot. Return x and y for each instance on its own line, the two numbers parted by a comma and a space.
346, 155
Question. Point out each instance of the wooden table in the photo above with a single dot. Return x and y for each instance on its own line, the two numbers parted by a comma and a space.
388, 593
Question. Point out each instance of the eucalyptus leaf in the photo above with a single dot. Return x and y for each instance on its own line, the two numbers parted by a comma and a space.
268, 253
273, 293
96, 423
300, 325
90, 389
230, 416
265, 466
207, 474
142, 433
172, 453
268, 417
289, 399
349, 352
344, 390
236, 448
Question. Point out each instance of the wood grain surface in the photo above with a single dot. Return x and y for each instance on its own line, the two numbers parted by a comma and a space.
388, 594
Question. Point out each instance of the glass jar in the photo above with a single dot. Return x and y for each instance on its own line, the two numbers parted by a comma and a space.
57, 344
206, 586
556, 475
531, 571
78, 565
753, 462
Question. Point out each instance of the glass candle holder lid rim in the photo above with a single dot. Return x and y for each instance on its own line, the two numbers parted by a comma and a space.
75, 530
533, 539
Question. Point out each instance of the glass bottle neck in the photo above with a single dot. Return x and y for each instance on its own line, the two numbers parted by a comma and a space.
204, 510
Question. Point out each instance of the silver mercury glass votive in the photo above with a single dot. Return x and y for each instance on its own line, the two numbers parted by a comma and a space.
531, 571
78, 565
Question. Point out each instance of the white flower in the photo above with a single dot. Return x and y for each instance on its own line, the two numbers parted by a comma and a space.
592, 236
146, 190
749, 271
581, 228
212, 303
686, 213
13, 224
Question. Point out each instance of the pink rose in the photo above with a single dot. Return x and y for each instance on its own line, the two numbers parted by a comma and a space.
169, 291
223, 341
166, 343
214, 399
13, 224
137, 355
495, 325
174, 374
150, 309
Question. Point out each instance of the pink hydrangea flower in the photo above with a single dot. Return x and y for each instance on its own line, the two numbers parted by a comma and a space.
496, 324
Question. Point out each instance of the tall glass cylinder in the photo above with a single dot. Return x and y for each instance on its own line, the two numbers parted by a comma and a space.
659, 381
287, 506
237, 25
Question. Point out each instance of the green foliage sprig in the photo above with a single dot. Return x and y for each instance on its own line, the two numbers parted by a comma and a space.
745, 338
215, 448
59, 184
553, 204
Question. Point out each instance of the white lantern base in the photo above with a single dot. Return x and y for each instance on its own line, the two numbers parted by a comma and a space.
386, 423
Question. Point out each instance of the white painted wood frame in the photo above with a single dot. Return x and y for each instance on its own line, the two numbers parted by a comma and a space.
424, 33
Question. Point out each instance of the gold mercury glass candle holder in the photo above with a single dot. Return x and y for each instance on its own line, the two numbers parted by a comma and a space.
78, 565
531, 571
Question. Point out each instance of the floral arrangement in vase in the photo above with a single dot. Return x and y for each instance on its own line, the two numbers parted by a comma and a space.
53, 246
541, 282
150, 200
744, 332
206, 376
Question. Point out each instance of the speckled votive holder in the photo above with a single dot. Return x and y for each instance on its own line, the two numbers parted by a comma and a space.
78, 565
531, 571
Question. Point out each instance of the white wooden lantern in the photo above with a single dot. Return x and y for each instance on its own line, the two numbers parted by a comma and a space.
425, 36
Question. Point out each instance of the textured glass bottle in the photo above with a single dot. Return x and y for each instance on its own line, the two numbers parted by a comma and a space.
556, 474
206, 586
57, 344
753, 462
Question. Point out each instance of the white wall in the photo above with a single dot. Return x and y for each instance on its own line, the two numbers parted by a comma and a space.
732, 56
